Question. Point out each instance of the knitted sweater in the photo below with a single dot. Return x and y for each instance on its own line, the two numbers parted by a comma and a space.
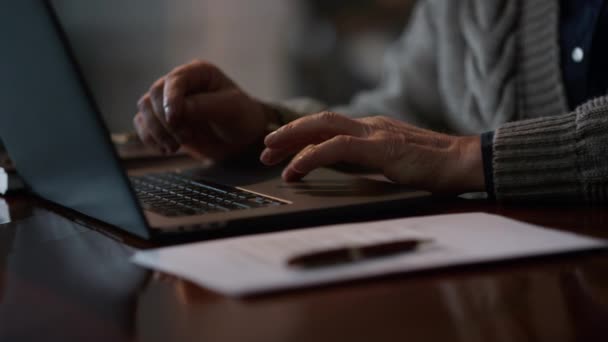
470, 66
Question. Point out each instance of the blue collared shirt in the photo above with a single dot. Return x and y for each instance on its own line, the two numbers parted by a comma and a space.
584, 62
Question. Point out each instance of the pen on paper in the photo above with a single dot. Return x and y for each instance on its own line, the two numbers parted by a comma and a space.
351, 254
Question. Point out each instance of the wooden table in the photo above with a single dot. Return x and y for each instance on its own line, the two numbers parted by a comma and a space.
60, 281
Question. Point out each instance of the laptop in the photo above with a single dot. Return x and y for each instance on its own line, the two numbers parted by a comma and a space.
62, 149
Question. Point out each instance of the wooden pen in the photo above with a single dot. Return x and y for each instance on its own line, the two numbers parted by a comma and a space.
350, 254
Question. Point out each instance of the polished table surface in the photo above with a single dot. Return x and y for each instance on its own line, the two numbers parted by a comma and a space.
61, 281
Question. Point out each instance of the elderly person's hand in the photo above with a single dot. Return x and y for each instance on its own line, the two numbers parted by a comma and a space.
405, 154
198, 108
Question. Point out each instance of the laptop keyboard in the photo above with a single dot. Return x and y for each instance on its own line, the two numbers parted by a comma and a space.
173, 194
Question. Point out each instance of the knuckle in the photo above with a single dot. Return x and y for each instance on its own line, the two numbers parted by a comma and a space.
286, 128
201, 63
143, 101
310, 150
210, 66
306, 155
345, 140
392, 139
382, 121
366, 120
176, 74
330, 117
383, 135
389, 124
367, 125
178, 70
157, 87
186, 65
197, 61
210, 71
394, 144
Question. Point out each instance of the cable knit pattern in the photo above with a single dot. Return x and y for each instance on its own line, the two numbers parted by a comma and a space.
556, 156
469, 66
488, 28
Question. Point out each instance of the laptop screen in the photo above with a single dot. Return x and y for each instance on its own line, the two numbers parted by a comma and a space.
50, 124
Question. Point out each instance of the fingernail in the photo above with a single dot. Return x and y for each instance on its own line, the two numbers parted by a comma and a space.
265, 157
270, 138
292, 173
168, 112
294, 166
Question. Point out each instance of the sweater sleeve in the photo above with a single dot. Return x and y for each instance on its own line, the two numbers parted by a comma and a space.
563, 157
409, 88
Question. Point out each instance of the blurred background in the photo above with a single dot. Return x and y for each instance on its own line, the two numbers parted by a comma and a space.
275, 49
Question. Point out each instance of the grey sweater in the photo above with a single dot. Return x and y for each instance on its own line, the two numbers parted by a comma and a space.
470, 66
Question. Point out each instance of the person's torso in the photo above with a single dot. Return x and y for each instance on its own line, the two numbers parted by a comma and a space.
505, 60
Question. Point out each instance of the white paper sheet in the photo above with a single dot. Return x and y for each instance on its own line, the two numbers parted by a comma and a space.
3, 181
5, 213
254, 264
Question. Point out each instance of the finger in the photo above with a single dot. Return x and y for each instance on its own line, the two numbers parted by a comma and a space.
143, 133
317, 127
191, 78
276, 155
271, 156
325, 128
156, 97
156, 93
342, 148
153, 127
